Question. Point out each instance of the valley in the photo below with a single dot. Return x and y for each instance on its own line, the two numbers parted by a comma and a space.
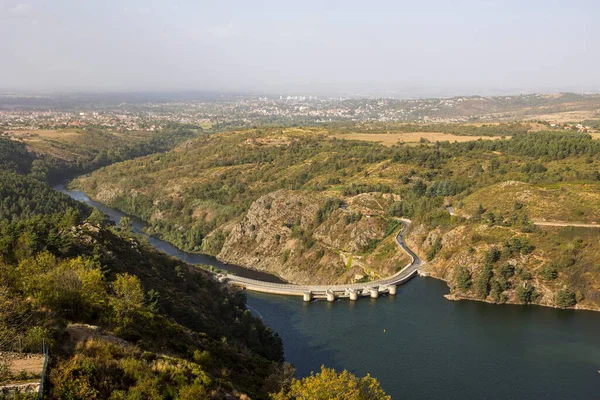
315, 209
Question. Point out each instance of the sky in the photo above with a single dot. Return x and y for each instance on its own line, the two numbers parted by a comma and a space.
396, 48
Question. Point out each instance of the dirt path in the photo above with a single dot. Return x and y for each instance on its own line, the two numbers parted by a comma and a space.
560, 223
30, 363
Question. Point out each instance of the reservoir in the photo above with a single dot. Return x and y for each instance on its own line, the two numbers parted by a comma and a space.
422, 346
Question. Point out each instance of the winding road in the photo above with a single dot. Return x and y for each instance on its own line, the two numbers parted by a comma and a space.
352, 291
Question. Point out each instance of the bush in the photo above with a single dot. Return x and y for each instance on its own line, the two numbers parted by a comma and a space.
286, 255
548, 272
565, 298
525, 293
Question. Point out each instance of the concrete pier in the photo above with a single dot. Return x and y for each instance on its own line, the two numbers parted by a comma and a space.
391, 289
352, 294
307, 296
374, 293
330, 295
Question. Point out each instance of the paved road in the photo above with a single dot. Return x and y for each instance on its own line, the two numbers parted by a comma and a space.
290, 289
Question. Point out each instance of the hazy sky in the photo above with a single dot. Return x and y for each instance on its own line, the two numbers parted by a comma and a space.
414, 47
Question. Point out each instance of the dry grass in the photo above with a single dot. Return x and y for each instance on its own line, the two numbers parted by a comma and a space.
390, 139
562, 117
44, 134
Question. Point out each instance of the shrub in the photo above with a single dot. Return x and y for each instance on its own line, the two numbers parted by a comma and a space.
286, 255
548, 272
565, 298
525, 293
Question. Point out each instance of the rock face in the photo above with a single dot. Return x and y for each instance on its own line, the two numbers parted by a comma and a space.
280, 234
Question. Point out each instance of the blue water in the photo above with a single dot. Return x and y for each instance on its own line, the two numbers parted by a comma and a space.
421, 346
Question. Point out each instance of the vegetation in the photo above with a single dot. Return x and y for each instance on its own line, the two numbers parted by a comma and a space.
121, 319
66, 154
328, 384
105, 277
496, 185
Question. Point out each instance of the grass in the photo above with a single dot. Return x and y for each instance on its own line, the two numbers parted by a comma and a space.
573, 202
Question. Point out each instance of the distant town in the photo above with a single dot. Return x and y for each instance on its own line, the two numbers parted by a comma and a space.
32, 113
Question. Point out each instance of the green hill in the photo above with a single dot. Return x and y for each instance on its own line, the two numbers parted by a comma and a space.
310, 206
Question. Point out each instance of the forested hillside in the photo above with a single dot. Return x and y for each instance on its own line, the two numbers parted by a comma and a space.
54, 155
121, 319
281, 199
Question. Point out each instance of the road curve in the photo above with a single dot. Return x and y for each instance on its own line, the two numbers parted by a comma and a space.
320, 291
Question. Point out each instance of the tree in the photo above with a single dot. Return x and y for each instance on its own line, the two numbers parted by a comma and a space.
125, 224
565, 298
463, 279
492, 255
419, 188
127, 300
329, 385
482, 282
97, 217
525, 293
478, 213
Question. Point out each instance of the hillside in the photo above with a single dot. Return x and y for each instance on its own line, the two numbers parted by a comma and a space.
121, 319
308, 206
64, 153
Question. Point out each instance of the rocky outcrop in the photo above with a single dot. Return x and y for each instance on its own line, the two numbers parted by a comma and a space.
280, 234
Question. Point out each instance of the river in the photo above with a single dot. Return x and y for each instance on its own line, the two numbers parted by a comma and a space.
421, 346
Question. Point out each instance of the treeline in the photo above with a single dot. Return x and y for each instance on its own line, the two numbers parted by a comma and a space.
546, 146
501, 129
55, 159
